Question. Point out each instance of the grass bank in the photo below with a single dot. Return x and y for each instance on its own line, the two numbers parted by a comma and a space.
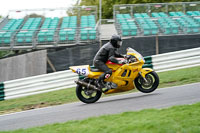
167, 79
177, 119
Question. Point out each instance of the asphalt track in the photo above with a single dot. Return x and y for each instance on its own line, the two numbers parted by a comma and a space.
161, 98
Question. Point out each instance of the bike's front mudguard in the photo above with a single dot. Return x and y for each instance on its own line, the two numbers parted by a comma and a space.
145, 71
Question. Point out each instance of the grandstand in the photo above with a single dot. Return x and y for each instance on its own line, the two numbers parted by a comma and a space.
37, 30
157, 19
81, 24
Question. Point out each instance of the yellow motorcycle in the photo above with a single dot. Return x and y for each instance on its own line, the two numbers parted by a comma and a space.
124, 77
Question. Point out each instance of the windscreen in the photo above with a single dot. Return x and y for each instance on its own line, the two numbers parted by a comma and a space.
130, 50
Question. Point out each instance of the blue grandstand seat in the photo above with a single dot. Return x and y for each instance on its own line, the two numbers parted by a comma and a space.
167, 24
88, 31
68, 29
127, 25
27, 33
147, 25
8, 31
188, 24
46, 34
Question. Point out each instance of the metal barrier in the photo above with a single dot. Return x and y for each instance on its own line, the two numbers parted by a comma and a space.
176, 60
38, 84
65, 79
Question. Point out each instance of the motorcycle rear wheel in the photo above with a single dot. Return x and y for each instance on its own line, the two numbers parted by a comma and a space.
87, 95
149, 86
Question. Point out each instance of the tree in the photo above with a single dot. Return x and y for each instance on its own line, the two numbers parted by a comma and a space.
34, 15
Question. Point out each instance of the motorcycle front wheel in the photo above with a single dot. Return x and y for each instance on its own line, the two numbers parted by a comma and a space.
151, 83
87, 95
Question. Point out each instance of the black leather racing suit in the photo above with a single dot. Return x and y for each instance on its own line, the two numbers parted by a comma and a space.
106, 52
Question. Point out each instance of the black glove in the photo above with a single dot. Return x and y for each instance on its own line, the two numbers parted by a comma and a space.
127, 56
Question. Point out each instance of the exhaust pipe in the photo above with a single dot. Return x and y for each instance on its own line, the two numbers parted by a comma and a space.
85, 84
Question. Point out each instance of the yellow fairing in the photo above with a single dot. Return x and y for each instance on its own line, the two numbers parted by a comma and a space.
145, 71
94, 75
123, 75
113, 66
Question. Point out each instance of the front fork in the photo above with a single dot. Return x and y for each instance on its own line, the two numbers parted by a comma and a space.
145, 71
143, 77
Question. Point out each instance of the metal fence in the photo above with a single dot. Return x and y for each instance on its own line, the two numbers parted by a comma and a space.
176, 60
39, 84
155, 7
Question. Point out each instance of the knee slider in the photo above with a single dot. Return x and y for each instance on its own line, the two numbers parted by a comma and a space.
108, 74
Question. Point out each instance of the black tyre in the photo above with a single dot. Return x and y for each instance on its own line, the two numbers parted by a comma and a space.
87, 95
149, 86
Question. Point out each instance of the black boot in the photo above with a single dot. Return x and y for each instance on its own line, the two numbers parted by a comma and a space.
100, 84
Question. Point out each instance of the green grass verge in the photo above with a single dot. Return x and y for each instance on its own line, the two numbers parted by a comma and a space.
177, 119
167, 79
38, 101
179, 77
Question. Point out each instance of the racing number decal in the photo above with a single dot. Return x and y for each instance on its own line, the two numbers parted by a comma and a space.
78, 70
82, 71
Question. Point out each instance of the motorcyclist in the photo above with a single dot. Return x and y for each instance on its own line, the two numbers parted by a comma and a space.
107, 52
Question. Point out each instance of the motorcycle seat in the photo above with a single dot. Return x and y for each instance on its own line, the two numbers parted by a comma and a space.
95, 70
